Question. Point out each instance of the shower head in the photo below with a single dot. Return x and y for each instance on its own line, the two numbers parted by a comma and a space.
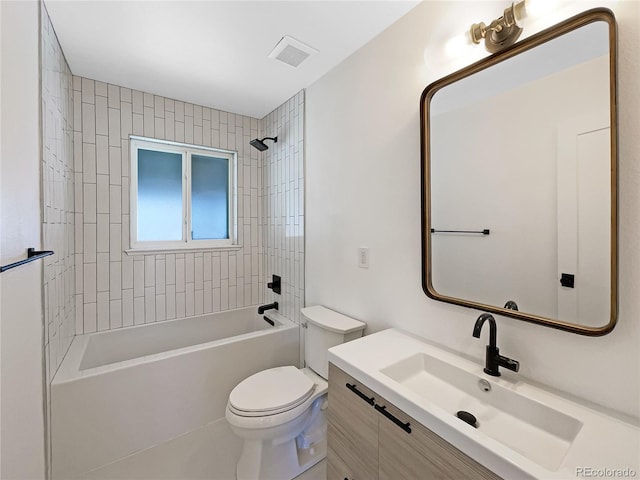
260, 145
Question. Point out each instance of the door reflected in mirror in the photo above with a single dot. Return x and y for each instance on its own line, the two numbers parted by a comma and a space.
519, 165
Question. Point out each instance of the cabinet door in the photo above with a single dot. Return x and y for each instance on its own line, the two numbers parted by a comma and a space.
352, 433
421, 454
337, 469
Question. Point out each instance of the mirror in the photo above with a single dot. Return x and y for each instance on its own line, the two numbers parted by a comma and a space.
519, 180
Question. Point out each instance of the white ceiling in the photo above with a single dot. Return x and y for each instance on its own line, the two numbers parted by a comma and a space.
214, 53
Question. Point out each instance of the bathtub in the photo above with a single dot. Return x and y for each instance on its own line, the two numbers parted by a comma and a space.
121, 391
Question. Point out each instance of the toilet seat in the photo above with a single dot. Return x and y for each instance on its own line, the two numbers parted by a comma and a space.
270, 392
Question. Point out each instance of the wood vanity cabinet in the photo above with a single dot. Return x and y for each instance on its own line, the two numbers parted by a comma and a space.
352, 429
369, 438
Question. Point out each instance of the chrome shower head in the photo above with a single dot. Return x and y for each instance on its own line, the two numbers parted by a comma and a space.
260, 145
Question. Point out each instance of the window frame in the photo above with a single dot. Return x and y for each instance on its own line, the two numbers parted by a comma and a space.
186, 150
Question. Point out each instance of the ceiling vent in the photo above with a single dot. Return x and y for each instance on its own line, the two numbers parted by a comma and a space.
291, 51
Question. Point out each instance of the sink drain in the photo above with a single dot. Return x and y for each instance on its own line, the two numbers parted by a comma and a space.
467, 418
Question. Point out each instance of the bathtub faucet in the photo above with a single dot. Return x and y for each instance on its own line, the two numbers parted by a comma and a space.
269, 306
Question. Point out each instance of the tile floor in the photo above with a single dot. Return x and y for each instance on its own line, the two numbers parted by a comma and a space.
210, 453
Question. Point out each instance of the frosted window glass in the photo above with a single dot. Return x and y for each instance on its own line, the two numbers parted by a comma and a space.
159, 196
209, 197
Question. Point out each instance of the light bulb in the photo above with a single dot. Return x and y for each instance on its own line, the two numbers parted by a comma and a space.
538, 8
458, 45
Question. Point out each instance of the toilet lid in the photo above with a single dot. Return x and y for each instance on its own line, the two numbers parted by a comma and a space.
279, 388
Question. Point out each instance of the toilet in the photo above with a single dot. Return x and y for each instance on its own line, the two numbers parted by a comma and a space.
280, 413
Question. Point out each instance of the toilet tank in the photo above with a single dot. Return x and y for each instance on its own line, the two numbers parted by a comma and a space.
326, 329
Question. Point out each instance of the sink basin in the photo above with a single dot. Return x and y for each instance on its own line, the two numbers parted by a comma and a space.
533, 429
524, 430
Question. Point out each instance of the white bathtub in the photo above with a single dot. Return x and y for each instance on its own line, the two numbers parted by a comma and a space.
125, 390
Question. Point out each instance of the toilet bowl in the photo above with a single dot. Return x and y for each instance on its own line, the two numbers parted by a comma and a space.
278, 421
280, 413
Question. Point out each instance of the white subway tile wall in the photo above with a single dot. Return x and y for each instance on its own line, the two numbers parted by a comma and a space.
58, 191
58, 219
280, 204
114, 289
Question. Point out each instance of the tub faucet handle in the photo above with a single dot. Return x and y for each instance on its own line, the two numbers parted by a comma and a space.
269, 306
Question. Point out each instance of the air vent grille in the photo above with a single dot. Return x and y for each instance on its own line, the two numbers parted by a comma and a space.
291, 51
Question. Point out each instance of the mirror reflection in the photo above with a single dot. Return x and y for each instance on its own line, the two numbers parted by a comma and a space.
520, 162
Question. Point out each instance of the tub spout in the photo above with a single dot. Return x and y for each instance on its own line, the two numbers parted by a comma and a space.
269, 306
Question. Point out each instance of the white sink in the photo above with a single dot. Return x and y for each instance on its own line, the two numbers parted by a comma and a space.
537, 431
525, 431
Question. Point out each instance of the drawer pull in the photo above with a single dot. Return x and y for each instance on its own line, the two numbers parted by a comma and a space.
383, 410
355, 390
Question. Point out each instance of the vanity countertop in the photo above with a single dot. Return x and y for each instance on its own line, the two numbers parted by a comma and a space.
603, 447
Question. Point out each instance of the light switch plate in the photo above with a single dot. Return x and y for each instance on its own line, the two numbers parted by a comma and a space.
363, 257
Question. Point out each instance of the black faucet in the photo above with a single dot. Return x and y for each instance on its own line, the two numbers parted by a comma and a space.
268, 306
511, 305
493, 359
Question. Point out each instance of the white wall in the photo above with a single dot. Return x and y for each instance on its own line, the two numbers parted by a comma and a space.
363, 189
0, 247
22, 368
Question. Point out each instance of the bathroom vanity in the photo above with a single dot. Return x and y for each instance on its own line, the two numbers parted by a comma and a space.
371, 438
393, 413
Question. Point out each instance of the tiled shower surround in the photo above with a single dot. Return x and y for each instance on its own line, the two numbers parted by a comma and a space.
57, 206
57, 198
283, 200
115, 288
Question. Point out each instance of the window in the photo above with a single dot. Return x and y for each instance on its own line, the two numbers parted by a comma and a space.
182, 196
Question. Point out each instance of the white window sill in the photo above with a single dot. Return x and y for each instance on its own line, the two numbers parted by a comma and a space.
160, 251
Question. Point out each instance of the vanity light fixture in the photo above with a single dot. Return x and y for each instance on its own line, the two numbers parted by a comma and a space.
501, 32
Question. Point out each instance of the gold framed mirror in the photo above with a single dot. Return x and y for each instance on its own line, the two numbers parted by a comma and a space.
519, 180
